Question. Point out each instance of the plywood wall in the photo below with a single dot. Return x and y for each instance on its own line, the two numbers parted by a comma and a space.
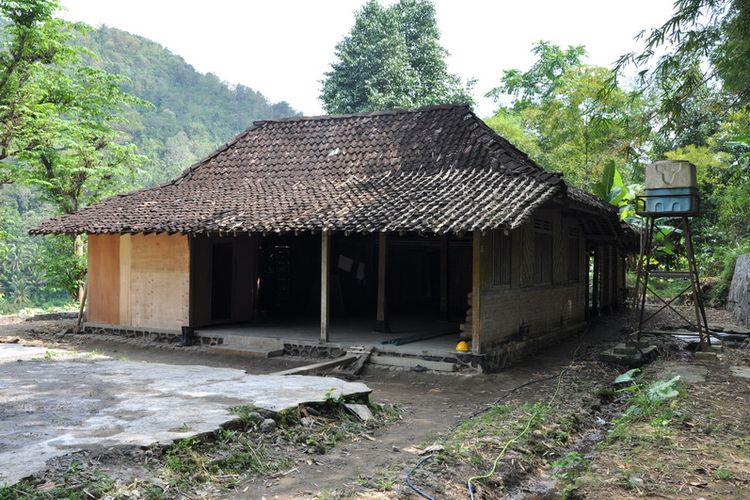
139, 280
159, 281
104, 279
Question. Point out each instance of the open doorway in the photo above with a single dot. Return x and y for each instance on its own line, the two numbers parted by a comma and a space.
429, 277
223, 276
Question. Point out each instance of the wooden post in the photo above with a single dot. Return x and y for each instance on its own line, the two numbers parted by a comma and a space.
381, 323
476, 290
444, 276
595, 284
586, 281
607, 284
325, 292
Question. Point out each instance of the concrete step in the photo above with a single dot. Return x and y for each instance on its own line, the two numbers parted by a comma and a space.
246, 341
252, 352
407, 362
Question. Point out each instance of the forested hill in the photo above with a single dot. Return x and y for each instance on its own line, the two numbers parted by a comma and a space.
192, 112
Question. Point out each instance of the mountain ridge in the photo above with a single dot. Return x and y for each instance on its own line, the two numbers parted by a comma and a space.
192, 113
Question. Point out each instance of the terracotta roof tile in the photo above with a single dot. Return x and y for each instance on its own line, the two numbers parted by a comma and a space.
435, 169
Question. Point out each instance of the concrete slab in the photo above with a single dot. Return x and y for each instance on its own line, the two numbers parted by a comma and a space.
631, 357
705, 356
741, 371
61, 402
689, 373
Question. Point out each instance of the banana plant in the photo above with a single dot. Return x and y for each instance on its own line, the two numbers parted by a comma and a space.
613, 189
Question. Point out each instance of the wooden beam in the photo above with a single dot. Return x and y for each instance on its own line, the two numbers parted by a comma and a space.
476, 290
444, 275
325, 289
381, 323
331, 363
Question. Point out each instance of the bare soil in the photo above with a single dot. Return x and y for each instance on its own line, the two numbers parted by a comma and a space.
435, 408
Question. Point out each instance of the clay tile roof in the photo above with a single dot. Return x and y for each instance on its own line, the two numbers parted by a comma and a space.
435, 169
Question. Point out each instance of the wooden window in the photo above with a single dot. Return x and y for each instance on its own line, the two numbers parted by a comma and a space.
501, 258
542, 251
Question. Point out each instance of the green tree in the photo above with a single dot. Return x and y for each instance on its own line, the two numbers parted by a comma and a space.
34, 43
705, 42
392, 58
577, 121
58, 117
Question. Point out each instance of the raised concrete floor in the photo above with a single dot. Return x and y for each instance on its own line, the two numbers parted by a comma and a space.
271, 336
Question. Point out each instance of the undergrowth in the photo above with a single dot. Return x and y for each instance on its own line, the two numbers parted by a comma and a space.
220, 461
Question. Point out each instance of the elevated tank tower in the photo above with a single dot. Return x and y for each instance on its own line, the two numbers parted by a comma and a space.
671, 198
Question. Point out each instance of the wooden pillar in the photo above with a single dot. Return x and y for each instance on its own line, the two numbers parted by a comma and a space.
476, 290
444, 276
325, 292
607, 284
595, 285
586, 280
381, 323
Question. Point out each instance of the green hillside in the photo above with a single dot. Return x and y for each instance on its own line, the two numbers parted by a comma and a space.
189, 115
191, 112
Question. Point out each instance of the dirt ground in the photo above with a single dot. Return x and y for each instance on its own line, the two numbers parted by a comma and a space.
443, 410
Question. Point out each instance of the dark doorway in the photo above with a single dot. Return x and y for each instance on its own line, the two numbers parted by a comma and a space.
221, 281
289, 277
416, 275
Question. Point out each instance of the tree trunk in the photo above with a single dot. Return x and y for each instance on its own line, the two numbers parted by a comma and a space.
78, 250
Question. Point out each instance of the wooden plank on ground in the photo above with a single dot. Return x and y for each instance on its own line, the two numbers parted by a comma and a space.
357, 366
331, 363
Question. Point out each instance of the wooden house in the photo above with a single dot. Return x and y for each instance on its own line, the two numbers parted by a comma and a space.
359, 228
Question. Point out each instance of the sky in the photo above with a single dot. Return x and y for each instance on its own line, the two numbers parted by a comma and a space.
282, 48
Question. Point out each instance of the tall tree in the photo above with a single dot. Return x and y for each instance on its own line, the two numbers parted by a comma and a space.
58, 115
35, 45
392, 58
705, 42
573, 119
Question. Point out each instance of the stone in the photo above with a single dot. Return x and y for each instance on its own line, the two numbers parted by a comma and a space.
255, 417
361, 411
705, 355
268, 425
738, 300
741, 371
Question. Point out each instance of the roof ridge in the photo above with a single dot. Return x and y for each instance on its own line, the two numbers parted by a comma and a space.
517, 153
386, 112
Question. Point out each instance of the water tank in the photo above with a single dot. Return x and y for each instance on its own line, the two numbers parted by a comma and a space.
671, 188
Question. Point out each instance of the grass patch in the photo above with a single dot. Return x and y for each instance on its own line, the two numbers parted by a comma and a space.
78, 484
